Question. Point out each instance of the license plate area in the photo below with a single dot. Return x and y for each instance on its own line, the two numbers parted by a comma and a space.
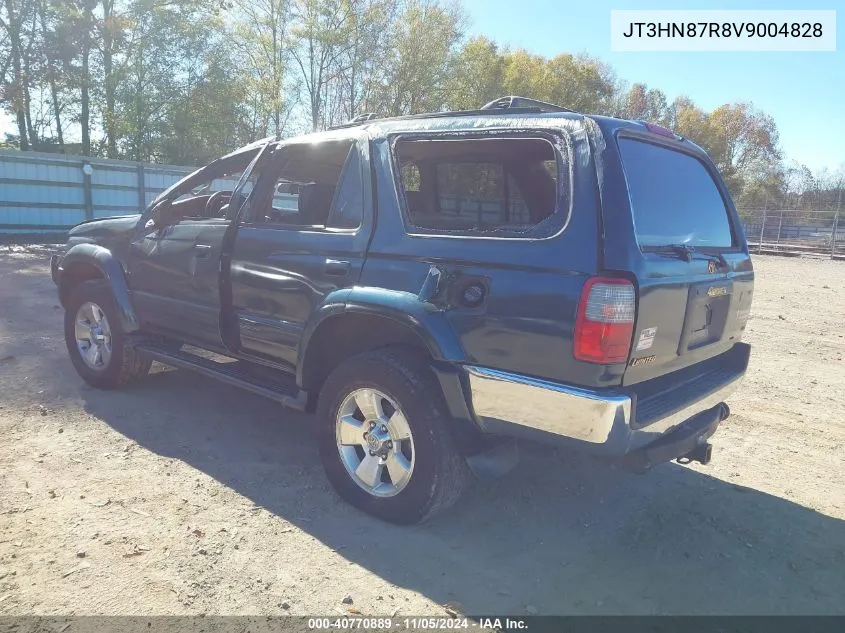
708, 309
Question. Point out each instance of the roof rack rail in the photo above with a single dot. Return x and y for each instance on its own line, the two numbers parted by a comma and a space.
367, 116
513, 101
358, 120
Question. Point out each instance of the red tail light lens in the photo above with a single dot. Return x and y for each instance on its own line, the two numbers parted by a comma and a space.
605, 322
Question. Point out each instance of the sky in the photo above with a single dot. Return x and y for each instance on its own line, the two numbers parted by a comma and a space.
804, 92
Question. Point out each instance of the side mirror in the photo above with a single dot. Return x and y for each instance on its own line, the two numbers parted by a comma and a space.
163, 214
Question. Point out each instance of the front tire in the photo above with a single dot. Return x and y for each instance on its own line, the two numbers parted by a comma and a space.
383, 440
96, 343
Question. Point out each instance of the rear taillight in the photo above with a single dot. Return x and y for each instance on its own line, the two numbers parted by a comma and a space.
605, 321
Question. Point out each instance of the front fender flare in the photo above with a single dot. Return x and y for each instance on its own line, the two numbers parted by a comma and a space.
112, 270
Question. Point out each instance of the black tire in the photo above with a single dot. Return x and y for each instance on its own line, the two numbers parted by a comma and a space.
125, 365
440, 474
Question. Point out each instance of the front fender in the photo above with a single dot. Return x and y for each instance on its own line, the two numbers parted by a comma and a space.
423, 318
111, 269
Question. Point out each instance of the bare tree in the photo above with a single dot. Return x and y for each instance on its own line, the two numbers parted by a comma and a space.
320, 43
261, 36
18, 21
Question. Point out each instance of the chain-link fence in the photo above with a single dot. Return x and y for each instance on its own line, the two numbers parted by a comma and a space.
795, 231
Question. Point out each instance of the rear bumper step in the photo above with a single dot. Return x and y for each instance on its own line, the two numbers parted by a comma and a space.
687, 443
236, 373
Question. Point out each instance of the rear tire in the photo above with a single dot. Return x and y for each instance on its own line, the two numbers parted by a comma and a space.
421, 474
96, 343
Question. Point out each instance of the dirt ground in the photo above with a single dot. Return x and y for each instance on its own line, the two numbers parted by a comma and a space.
182, 496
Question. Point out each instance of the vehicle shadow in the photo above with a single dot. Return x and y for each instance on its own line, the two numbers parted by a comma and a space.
562, 533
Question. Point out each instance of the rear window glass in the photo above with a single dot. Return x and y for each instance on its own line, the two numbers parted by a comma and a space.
503, 187
673, 197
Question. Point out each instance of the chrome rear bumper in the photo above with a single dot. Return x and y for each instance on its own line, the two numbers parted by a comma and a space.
601, 421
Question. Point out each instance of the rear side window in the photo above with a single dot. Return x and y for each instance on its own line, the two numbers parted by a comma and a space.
315, 185
673, 197
501, 187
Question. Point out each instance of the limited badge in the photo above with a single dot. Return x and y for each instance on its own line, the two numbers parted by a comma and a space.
646, 339
645, 360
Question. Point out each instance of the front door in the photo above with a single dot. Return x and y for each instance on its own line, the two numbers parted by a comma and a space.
174, 279
174, 270
306, 239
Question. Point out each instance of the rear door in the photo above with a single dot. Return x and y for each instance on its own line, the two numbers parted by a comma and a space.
688, 254
305, 240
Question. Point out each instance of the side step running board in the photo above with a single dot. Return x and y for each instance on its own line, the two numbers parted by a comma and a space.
236, 373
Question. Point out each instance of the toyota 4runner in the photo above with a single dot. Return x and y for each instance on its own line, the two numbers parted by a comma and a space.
433, 287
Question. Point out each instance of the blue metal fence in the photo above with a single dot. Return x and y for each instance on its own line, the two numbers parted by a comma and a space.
44, 193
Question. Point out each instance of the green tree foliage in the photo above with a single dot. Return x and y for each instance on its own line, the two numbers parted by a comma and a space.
644, 104
182, 81
416, 66
478, 75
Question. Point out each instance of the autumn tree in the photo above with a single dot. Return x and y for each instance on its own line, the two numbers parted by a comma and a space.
183, 81
416, 69
478, 75
645, 104
743, 142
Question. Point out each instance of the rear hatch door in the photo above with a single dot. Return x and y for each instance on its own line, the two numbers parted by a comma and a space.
688, 254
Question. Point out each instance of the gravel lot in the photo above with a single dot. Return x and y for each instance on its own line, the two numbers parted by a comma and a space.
182, 496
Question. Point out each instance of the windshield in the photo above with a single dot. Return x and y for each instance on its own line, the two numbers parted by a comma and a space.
674, 199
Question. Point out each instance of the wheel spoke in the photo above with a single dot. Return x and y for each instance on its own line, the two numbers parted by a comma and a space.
93, 355
398, 467
350, 431
82, 331
369, 471
89, 313
369, 402
398, 425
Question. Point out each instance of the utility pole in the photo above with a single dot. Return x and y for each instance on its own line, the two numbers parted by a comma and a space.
836, 222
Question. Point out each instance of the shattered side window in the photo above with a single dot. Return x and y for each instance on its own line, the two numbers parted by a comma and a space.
499, 187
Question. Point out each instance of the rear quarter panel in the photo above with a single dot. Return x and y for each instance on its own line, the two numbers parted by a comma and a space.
533, 285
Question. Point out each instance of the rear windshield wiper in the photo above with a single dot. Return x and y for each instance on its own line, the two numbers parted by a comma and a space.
687, 252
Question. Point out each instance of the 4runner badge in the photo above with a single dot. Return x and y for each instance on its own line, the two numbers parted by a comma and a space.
645, 360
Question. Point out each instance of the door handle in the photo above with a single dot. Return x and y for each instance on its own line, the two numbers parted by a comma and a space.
202, 250
336, 268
